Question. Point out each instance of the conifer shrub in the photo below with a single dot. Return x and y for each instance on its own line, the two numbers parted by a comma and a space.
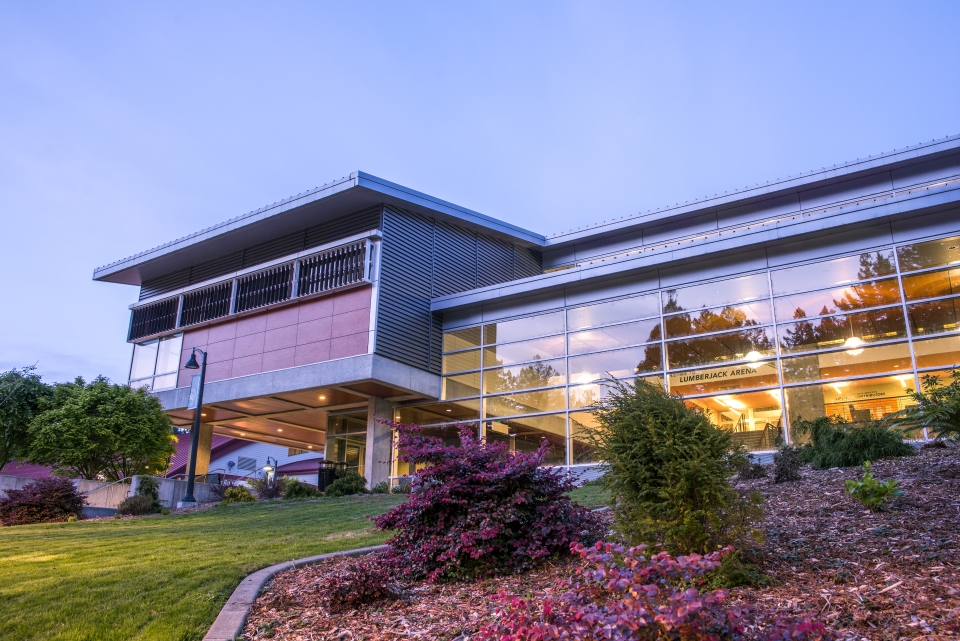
786, 464
137, 505
49, 500
478, 509
346, 484
297, 490
622, 595
237, 494
837, 443
669, 472
752, 471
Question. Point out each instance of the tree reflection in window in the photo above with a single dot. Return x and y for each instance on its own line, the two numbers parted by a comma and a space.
748, 344
851, 330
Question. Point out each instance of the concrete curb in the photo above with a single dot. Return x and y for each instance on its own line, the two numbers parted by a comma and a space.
233, 616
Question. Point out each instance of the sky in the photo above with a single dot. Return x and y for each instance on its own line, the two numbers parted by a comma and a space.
125, 125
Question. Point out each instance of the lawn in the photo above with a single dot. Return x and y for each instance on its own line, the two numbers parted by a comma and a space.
162, 577
166, 577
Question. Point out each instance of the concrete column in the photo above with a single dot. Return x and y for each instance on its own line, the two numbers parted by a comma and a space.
379, 442
203, 448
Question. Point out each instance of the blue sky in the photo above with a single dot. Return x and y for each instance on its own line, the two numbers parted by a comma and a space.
125, 125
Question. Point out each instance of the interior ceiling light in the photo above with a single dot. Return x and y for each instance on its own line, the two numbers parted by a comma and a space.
753, 357
322, 397
279, 429
853, 345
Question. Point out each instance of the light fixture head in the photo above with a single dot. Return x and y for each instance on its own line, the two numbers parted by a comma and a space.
853, 345
192, 363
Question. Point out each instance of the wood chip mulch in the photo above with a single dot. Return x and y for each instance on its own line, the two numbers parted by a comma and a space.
882, 576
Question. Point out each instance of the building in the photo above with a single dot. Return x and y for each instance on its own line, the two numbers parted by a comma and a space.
238, 460
819, 294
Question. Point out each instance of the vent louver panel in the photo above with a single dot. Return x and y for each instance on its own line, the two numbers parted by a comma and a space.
154, 319
206, 304
334, 268
264, 288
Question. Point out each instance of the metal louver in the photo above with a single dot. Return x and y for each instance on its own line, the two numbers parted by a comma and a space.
334, 268
154, 318
206, 304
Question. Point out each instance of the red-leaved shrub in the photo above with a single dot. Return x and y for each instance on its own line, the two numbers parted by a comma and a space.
477, 509
623, 596
42, 501
366, 581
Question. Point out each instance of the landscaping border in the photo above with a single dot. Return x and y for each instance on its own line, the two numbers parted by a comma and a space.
233, 615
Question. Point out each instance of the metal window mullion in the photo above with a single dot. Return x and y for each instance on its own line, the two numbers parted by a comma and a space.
906, 322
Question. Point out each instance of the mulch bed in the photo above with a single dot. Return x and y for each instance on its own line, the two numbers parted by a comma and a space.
887, 576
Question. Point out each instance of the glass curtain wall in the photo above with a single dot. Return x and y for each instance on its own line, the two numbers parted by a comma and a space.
155, 363
844, 336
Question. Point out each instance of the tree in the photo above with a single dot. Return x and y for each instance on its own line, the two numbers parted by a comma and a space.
20, 394
937, 407
98, 428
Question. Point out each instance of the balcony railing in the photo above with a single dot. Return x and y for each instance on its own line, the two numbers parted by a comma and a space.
327, 270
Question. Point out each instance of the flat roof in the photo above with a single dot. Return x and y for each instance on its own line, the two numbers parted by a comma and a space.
352, 193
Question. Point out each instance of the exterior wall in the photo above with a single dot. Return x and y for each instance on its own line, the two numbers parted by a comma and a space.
321, 329
259, 453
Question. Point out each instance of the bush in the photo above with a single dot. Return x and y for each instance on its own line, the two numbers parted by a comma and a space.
836, 443
237, 494
403, 486
622, 595
348, 483
297, 491
366, 581
269, 487
136, 505
871, 492
752, 471
50, 500
786, 465
669, 471
479, 509
382, 487
936, 408
165, 511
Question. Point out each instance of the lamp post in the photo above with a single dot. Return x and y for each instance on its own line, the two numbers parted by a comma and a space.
271, 470
195, 436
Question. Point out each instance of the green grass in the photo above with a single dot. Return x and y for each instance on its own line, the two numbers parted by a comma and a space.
163, 577
591, 496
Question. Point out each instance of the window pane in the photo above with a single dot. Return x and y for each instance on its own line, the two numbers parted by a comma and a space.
932, 284
710, 350
755, 418
838, 271
521, 328
461, 361
168, 355
838, 299
350, 450
520, 377
461, 339
143, 382
935, 317
462, 385
581, 449
167, 381
144, 359
618, 363
723, 379
587, 395
614, 336
347, 424
524, 403
929, 254
854, 362
719, 319
939, 352
449, 434
613, 311
440, 412
535, 350
856, 401
851, 330
525, 434
736, 290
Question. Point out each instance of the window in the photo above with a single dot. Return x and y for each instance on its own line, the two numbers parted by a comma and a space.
461, 361
435, 413
461, 385
838, 299
155, 363
535, 350
292, 451
943, 282
549, 400
850, 330
846, 364
831, 273
748, 344
736, 290
724, 379
859, 401
524, 434
930, 254
618, 363
347, 440
613, 336
521, 377
718, 319
521, 328
582, 424
461, 339
246, 464
587, 395
938, 352
614, 311
755, 418
934, 317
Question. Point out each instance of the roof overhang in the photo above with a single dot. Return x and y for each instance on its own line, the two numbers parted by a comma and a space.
354, 193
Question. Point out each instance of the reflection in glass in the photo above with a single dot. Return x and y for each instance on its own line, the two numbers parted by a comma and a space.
736, 290
581, 448
614, 311
938, 352
620, 363
434, 413
830, 273
520, 377
749, 344
525, 434
860, 401
855, 362
144, 359
448, 434
348, 449
718, 320
934, 317
549, 400
461, 361
461, 339
724, 379
522, 328
535, 350
347, 424
943, 282
929, 254
613, 336
168, 355
461, 385
838, 299
755, 418
167, 381
592, 393
851, 330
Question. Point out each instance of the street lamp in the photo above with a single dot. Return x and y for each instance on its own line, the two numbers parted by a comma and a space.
270, 470
195, 437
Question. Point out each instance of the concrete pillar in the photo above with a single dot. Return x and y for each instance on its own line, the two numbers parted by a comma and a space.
203, 448
379, 442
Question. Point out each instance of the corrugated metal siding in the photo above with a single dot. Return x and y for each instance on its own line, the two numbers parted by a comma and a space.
216, 267
495, 261
355, 223
164, 284
457, 271
526, 262
270, 250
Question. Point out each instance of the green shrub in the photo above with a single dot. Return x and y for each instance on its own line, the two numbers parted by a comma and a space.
269, 487
936, 408
836, 443
165, 511
237, 494
297, 490
116, 516
136, 505
871, 492
349, 483
383, 487
668, 472
72, 518
786, 465
752, 471
403, 486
